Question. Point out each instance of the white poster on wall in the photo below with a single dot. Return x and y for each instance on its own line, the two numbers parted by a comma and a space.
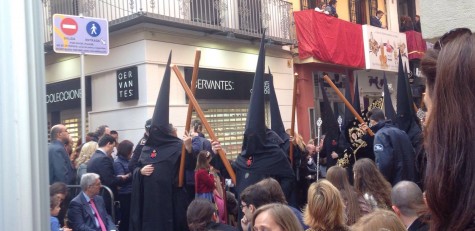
382, 48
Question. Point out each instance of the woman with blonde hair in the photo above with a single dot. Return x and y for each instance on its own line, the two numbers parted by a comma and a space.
369, 181
355, 204
379, 220
87, 150
325, 209
275, 217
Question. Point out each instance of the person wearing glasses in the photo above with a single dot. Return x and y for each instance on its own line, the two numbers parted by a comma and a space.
60, 166
252, 198
450, 91
87, 210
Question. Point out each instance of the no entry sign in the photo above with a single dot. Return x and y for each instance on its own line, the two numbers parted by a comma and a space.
69, 26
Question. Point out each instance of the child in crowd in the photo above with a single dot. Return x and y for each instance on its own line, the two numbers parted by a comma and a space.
204, 177
55, 203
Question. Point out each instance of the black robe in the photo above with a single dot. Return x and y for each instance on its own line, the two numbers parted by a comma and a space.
157, 202
271, 162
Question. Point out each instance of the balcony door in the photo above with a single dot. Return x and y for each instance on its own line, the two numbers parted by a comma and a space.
250, 16
204, 11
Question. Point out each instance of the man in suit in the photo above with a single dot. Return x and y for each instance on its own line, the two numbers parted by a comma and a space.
102, 164
60, 167
407, 201
87, 210
376, 20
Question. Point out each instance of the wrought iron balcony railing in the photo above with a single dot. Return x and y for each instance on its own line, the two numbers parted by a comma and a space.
234, 18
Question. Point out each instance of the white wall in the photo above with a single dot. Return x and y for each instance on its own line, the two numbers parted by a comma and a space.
146, 50
438, 17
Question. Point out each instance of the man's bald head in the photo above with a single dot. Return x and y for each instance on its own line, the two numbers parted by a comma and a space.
407, 196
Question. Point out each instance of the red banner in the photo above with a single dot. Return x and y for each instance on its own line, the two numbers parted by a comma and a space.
416, 45
329, 39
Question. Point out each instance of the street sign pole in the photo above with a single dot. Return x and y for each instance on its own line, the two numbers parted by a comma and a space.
83, 101
83, 98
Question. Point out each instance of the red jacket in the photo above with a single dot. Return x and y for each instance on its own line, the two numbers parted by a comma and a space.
204, 181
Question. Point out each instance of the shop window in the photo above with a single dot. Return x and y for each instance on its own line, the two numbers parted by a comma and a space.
73, 124
228, 125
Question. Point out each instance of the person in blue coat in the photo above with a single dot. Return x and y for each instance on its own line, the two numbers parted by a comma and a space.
394, 154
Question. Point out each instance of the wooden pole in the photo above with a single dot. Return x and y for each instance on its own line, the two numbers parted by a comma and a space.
201, 115
292, 121
194, 78
348, 104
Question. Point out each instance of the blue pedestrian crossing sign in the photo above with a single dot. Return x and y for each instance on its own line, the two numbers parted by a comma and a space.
93, 29
80, 35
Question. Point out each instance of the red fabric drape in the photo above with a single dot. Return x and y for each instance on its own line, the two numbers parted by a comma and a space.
329, 39
416, 45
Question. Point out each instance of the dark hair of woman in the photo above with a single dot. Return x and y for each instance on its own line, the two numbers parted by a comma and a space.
202, 160
338, 176
58, 188
429, 68
449, 181
368, 179
124, 149
199, 214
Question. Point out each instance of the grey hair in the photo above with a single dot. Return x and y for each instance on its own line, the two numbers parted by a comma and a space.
87, 180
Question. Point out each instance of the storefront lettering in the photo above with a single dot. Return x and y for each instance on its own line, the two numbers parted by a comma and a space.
127, 84
214, 84
63, 96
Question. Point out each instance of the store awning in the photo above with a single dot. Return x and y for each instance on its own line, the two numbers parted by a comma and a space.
329, 39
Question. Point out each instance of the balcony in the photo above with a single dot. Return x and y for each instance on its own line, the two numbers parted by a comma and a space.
244, 19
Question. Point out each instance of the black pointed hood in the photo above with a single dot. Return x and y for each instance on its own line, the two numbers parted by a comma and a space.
356, 97
348, 115
330, 125
255, 133
388, 103
276, 124
160, 129
405, 111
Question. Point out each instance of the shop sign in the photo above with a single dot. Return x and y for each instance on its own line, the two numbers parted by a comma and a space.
127, 84
382, 48
67, 94
221, 84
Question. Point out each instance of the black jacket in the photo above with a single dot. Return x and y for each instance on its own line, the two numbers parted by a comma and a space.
394, 153
418, 225
133, 163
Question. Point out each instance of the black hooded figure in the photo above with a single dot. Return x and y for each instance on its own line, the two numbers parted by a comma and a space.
157, 201
406, 118
388, 103
330, 129
261, 155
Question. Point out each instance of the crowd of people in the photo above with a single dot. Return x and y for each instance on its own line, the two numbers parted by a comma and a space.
270, 193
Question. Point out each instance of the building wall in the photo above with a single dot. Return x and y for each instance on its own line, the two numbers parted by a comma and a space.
147, 47
438, 17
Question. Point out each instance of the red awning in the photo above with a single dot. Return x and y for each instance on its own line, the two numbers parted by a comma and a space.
416, 46
329, 39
